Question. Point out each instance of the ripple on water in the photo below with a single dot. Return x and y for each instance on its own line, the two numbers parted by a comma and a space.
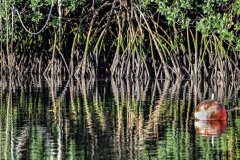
114, 120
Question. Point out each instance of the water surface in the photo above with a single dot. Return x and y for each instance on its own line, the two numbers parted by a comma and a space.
108, 119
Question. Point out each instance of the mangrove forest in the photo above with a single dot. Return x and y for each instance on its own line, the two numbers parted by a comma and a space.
120, 38
119, 79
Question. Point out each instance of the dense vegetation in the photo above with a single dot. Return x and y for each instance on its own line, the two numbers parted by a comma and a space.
134, 38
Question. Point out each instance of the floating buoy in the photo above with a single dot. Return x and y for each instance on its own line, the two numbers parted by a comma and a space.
210, 110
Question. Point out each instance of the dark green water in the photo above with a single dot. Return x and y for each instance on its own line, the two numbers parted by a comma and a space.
113, 120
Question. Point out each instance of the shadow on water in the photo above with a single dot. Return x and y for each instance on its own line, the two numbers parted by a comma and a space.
116, 119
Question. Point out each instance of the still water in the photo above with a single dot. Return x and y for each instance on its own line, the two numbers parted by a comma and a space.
108, 119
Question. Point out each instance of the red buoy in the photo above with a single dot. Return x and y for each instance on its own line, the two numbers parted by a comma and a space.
210, 110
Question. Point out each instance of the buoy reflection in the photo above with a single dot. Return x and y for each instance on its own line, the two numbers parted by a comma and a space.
210, 128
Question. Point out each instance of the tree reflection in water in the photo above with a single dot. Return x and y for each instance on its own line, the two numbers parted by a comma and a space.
116, 119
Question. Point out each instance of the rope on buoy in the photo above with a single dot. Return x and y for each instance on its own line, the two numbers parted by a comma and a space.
14, 9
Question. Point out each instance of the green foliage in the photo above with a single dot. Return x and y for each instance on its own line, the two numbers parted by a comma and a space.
220, 24
218, 16
37, 10
74, 4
